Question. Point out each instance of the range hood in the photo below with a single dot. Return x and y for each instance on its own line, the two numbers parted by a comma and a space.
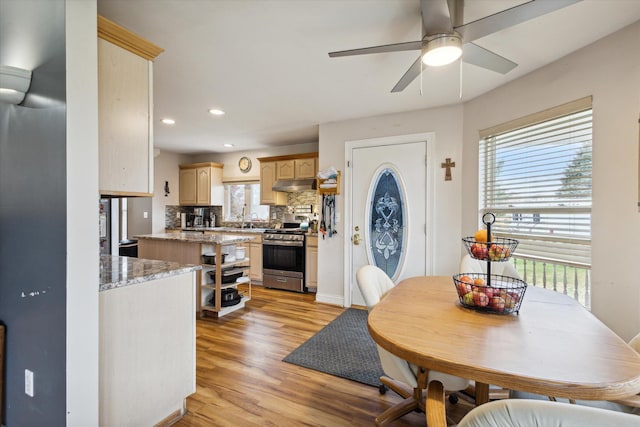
294, 185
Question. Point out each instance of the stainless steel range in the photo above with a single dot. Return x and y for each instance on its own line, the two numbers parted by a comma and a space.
283, 259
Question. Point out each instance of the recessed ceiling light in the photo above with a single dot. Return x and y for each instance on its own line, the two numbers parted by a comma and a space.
216, 112
168, 121
228, 145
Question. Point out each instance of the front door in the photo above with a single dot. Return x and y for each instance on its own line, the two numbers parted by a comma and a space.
388, 211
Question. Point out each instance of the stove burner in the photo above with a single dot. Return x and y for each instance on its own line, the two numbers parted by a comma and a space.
285, 231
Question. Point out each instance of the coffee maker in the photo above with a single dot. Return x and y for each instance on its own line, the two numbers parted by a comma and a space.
198, 217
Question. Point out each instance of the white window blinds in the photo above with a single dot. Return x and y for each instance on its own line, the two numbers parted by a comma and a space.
536, 179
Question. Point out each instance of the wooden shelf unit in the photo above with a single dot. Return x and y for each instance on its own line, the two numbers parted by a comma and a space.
329, 190
207, 288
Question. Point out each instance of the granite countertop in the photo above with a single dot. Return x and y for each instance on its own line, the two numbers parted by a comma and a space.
222, 229
119, 271
233, 230
219, 239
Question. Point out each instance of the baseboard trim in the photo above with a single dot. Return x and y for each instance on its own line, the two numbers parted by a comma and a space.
173, 417
330, 299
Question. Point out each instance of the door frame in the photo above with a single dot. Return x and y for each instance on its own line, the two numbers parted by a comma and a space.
429, 138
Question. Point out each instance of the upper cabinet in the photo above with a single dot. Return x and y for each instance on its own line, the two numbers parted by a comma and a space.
304, 168
295, 166
267, 179
285, 169
125, 111
201, 184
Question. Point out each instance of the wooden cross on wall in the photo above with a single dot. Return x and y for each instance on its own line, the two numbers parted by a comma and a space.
448, 164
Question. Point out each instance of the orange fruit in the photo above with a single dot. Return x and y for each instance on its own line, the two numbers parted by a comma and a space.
466, 279
478, 281
480, 236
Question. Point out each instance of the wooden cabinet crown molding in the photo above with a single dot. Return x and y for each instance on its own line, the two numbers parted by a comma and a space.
201, 165
120, 36
288, 157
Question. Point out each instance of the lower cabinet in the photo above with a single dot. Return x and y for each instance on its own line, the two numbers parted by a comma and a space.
255, 252
312, 264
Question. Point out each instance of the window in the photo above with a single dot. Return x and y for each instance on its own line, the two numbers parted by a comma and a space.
536, 178
239, 196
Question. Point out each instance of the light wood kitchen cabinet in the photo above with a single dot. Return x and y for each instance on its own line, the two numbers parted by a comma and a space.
254, 251
187, 187
201, 184
311, 268
305, 168
296, 169
125, 111
285, 169
295, 166
267, 178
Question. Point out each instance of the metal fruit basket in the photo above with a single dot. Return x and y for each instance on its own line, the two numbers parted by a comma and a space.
499, 249
504, 295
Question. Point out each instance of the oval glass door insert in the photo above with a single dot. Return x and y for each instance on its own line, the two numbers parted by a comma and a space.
387, 222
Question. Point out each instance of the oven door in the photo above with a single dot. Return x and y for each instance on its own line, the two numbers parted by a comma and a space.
283, 265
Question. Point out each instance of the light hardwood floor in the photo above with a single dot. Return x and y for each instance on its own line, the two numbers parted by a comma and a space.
241, 379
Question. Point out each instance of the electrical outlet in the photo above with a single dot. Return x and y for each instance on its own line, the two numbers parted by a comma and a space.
178, 215
28, 382
145, 215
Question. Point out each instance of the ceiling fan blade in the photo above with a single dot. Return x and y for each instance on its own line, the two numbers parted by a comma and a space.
435, 17
409, 76
476, 55
396, 47
510, 17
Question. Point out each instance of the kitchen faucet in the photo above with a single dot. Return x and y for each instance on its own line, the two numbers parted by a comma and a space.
243, 208
251, 217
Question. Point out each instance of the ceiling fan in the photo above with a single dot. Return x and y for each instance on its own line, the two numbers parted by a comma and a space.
445, 38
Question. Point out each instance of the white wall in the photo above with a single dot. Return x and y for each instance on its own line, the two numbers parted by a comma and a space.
82, 209
165, 169
610, 71
445, 122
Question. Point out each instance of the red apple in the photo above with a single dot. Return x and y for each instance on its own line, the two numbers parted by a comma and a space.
497, 303
479, 251
463, 288
480, 299
514, 295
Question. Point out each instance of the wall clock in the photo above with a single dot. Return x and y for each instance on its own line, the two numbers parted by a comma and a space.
244, 164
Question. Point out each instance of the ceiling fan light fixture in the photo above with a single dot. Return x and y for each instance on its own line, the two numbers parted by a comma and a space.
441, 50
14, 84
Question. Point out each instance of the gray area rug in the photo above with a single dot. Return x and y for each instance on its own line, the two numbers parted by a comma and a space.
343, 348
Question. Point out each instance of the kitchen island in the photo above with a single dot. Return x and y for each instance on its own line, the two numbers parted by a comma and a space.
147, 340
216, 288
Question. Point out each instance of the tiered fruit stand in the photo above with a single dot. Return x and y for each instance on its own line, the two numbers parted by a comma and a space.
486, 292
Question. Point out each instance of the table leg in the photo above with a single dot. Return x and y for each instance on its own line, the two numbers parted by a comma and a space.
482, 393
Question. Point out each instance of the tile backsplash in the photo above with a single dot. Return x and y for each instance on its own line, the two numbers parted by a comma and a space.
297, 198
172, 214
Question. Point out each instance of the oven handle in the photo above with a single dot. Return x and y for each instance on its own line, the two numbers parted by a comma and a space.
282, 243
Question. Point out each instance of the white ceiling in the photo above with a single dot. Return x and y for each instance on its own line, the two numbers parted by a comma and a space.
265, 62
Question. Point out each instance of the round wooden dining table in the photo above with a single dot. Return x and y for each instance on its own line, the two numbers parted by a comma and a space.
553, 347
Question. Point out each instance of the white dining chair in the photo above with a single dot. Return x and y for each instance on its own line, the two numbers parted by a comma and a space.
525, 412
400, 376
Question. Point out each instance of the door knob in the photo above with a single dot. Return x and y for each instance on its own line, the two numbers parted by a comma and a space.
356, 239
